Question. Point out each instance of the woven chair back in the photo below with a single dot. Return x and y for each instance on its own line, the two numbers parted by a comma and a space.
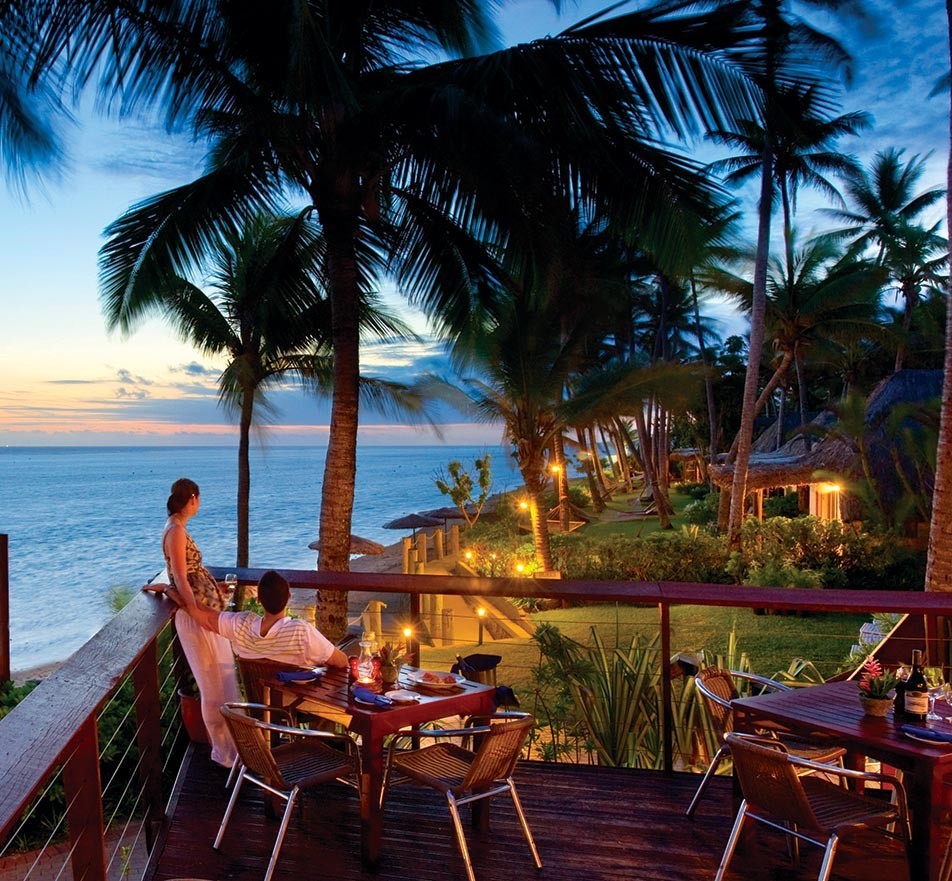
770, 783
253, 747
719, 683
252, 673
498, 753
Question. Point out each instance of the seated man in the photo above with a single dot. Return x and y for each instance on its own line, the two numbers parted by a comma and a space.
275, 637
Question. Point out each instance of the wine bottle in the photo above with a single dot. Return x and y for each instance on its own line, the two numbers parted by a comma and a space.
917, 692
899, 704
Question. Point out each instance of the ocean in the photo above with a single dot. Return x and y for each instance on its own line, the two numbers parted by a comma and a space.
84, 520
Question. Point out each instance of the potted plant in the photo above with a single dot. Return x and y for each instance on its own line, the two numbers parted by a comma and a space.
875, 688
391, 660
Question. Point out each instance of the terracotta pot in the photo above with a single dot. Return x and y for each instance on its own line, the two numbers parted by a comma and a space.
876, 706
191, 708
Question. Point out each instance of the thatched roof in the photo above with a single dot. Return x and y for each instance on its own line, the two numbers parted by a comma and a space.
791, 465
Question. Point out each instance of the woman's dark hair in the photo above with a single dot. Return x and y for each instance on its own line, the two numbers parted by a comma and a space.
182, 490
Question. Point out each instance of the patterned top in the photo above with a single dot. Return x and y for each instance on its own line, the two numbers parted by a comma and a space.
204, 586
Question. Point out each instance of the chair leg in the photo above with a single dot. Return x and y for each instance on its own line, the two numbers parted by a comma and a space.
732, 842
233, 773
460, 837
827, 865
292, 797
711, 769
230, 808
524, 823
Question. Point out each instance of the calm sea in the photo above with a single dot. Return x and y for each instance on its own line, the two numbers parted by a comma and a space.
82, 520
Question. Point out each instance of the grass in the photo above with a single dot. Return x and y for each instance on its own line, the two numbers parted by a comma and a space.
771, 643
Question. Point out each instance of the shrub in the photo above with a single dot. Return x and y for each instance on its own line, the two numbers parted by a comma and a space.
696, 491
702, 512
690, 554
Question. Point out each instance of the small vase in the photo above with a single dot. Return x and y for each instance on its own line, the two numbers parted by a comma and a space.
389, 675
876, 706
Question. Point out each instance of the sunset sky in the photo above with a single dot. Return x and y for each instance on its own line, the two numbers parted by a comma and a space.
65, 381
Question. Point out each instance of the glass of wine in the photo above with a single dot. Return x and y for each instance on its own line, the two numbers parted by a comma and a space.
231, 582
937, 689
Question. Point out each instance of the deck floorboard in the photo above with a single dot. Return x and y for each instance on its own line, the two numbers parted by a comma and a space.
590, 823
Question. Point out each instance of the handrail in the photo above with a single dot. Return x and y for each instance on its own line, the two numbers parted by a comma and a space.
52, 724
666, 592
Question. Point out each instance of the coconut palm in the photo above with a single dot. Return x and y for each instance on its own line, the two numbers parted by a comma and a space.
265, 316
787, 47
404, 160
883, 214
939, 557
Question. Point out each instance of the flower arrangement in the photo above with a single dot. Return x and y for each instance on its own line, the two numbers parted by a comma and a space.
391, 655
874, 681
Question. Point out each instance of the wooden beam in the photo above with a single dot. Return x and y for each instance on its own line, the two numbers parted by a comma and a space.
4, 608
84, 805
148, 706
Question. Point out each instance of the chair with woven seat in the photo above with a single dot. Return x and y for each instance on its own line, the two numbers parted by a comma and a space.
304, 759
253, 671
466, 776
718, 688
810, 808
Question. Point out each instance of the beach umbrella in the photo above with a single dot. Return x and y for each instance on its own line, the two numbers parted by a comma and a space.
412, 521
358, 545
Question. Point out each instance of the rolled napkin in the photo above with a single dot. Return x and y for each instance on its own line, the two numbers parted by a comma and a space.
927, 733
370, 697
299, 675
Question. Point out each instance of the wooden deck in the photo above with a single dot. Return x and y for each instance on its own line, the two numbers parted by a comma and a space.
590, 823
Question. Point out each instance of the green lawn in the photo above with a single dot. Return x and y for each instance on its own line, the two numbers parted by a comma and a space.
770, 642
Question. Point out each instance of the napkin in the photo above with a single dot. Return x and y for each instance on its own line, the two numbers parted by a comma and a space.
927, 733
299, 675
366, 695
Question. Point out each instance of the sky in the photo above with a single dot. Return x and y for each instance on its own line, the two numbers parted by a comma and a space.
67, 381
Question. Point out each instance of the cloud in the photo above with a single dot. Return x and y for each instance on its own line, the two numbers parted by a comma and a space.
193, 368
122, 393
125, 376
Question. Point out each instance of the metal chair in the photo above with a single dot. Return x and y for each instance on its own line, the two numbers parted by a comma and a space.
465, 776
717, 687
305, 759
810, 808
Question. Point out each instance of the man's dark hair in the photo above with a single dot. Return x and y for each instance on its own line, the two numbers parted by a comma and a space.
274, 592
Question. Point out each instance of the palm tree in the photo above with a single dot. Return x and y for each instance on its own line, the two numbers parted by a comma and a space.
265, 316
939, 557
882, 214
786, 46
404, 161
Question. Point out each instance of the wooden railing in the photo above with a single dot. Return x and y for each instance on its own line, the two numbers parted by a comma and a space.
56, 724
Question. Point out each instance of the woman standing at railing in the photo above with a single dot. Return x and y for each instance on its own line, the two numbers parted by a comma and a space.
209, 655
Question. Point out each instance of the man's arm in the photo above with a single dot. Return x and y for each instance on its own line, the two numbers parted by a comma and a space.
206, 617
337, 658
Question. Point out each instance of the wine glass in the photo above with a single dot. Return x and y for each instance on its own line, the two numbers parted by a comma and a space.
231, 582
937, 688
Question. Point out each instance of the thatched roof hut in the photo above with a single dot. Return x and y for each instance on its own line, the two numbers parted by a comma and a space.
837, 455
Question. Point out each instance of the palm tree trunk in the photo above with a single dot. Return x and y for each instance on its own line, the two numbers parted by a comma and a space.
778, 375
909, 295
597, 463
340, 466
708, 373
755, 347
244, 481
562, 482
939, 558
650, 473
588, 466
780, 408
802, 392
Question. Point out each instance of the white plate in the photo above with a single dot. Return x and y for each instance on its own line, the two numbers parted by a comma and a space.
402, 696
929, 740
417, 677
364, 703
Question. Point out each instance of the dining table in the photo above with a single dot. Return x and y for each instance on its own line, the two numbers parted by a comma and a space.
833, 709
331, 697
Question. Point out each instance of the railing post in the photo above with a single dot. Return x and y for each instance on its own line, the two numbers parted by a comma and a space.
4, 609
148, 705
667, 723
413, 643
84, 817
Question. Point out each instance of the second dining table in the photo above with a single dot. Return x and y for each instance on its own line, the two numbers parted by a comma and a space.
834, 709
331, 698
